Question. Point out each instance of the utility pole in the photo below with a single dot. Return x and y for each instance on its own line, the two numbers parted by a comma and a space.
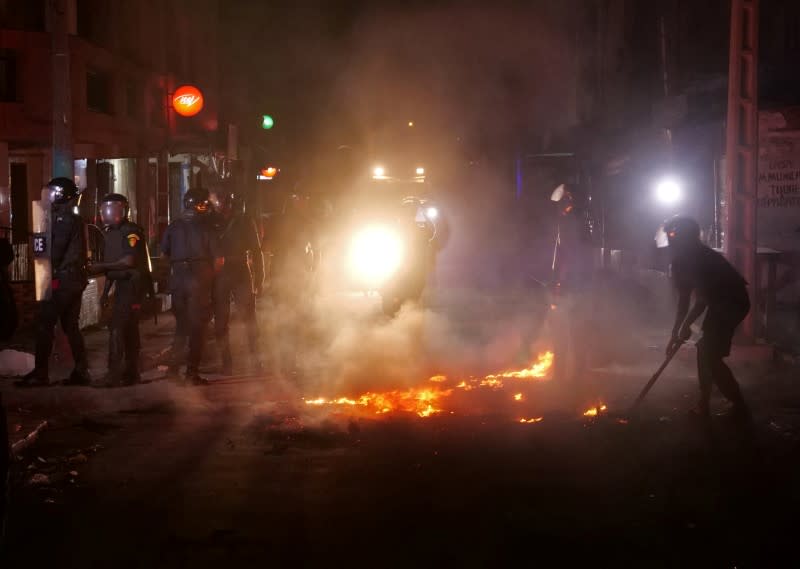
62, 163
739, 218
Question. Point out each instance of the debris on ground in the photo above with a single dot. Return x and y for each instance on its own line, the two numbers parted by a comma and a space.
79, 458
39, 479
29, 439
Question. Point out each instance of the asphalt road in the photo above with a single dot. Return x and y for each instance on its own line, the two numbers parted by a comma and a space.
243, 474
236, 475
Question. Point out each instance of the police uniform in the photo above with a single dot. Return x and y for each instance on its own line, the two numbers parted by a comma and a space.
192, 248
130, 288
68, 258
237, 237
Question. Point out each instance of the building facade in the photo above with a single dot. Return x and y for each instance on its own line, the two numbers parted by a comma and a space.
86, 90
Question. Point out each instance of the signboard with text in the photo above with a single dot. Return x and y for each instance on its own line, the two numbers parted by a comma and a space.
778, 184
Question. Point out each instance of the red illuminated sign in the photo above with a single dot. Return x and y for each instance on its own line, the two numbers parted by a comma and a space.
187, 101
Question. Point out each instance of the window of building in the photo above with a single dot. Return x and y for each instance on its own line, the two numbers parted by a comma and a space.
133, 99
98, 91
8, 76
22, 14
157, 108
94, 17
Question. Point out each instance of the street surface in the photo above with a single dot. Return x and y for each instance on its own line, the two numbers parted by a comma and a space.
243, 473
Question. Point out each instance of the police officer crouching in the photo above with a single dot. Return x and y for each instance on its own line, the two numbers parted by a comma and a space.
68, 261
126, 265
192, 250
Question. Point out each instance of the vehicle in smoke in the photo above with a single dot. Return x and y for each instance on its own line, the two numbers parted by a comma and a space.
383, 240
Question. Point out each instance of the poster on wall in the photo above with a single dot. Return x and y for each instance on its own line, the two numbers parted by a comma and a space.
778, 184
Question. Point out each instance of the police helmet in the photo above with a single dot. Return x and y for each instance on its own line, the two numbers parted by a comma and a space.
62, 190
196, 200
679, 230
227, 201
114, 209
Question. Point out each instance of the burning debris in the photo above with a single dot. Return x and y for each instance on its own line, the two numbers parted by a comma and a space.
595, 411
427, 401
424, 402
532, 420
539, 370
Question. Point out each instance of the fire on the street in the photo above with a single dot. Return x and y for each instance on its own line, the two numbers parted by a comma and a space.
532, 420
595, 411
428, 401
424, 402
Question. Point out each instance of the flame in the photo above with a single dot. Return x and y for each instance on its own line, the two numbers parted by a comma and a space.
423, 402
532, 420
427, 401
491, 381
538, 370
595, 411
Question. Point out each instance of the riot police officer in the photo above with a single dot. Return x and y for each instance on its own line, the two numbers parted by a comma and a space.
192, 250
126, 265
68, 262
241, 277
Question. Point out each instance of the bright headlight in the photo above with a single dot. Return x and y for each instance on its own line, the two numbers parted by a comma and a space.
375, 254
431, 213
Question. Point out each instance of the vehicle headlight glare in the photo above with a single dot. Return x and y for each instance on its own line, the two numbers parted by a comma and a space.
375, 254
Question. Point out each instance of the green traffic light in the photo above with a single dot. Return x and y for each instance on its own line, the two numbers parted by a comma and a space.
267, 122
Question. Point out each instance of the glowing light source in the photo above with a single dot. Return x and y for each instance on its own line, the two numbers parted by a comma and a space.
268, 173
187, 100
267, 122
410, 123
420, 171
375, 254
668, 191
431, 213
378, 172
595, 411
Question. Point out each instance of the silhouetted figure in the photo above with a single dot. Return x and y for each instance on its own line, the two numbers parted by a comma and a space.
721, 292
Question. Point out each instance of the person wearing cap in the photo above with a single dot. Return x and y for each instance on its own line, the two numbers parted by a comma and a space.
68, 261
194, 256
719, 291
126, 265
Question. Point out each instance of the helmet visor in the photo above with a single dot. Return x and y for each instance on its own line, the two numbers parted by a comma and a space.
112, 213
57, 194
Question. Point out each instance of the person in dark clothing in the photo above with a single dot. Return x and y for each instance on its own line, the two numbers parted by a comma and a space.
719, 291
68, 261
192, 250
241, 277
573, 291
9, 317
291, 243
126, 265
